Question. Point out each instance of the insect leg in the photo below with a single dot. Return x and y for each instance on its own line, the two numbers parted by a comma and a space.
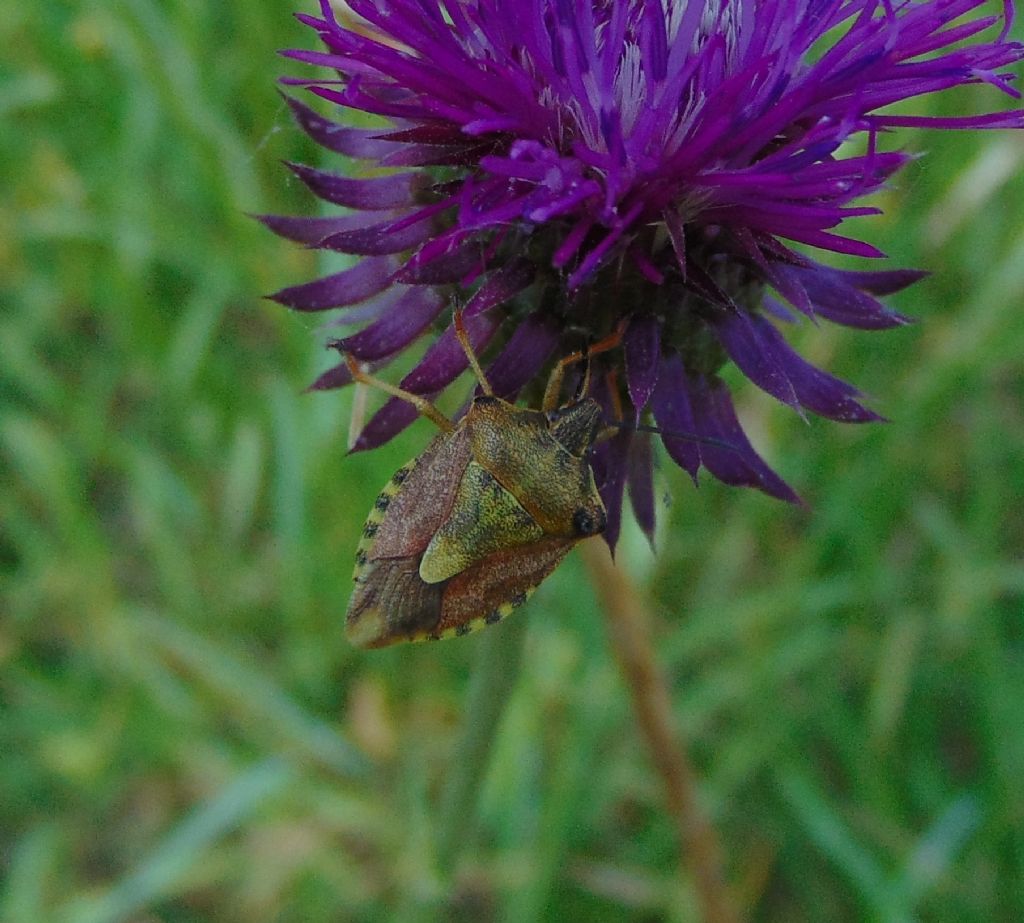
420, 403
554, 386
610, 430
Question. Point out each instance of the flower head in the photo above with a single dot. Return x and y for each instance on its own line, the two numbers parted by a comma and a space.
566, 167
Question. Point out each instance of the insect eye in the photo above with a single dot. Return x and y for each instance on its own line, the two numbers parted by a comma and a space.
587, 523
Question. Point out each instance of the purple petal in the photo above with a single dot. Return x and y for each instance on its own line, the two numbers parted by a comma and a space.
310, 230
395, 416
336, 377
837, 295
350, 286
701, 282
375, 103
837, 243
501, 286
739, 464
446, 360
402, 324
524, 355
1012, 118
610, 465
674, 415
884, 282
379, 239
642, 348
362, 143
438, 134
382, 192
777, 309
764, 356
816, 390
640, 480
764, 257
367, 311
442, 266
441, 365
608, 460
742, 341
423, 155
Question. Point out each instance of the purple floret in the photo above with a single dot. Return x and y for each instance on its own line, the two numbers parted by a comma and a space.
568, 167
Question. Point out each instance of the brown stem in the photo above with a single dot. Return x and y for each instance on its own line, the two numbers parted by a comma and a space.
630, 633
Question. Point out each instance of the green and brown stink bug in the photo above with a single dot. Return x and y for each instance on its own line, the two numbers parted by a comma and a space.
464, 533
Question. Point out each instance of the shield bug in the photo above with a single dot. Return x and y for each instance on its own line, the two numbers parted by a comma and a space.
465, 532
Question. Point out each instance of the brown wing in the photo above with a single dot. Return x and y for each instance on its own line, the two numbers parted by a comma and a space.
492, 589
407, 514
391, 603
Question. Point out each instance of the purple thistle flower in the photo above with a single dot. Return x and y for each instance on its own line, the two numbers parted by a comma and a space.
563, 166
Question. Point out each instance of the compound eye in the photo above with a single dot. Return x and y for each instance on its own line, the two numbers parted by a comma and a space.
587, 522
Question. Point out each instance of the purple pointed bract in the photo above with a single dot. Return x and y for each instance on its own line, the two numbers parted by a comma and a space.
585, 165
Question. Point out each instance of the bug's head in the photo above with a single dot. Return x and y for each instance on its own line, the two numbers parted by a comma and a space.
576, 425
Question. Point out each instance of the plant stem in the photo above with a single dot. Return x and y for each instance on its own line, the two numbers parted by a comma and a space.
630, 634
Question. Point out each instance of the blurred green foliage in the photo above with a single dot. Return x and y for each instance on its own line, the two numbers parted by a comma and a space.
184, 734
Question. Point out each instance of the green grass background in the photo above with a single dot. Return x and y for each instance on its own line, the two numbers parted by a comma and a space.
184, 734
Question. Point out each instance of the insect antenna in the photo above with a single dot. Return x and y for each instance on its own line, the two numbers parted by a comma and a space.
658, 431
554, 386
467, 348
583, 385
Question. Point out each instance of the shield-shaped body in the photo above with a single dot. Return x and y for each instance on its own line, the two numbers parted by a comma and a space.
464, 533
